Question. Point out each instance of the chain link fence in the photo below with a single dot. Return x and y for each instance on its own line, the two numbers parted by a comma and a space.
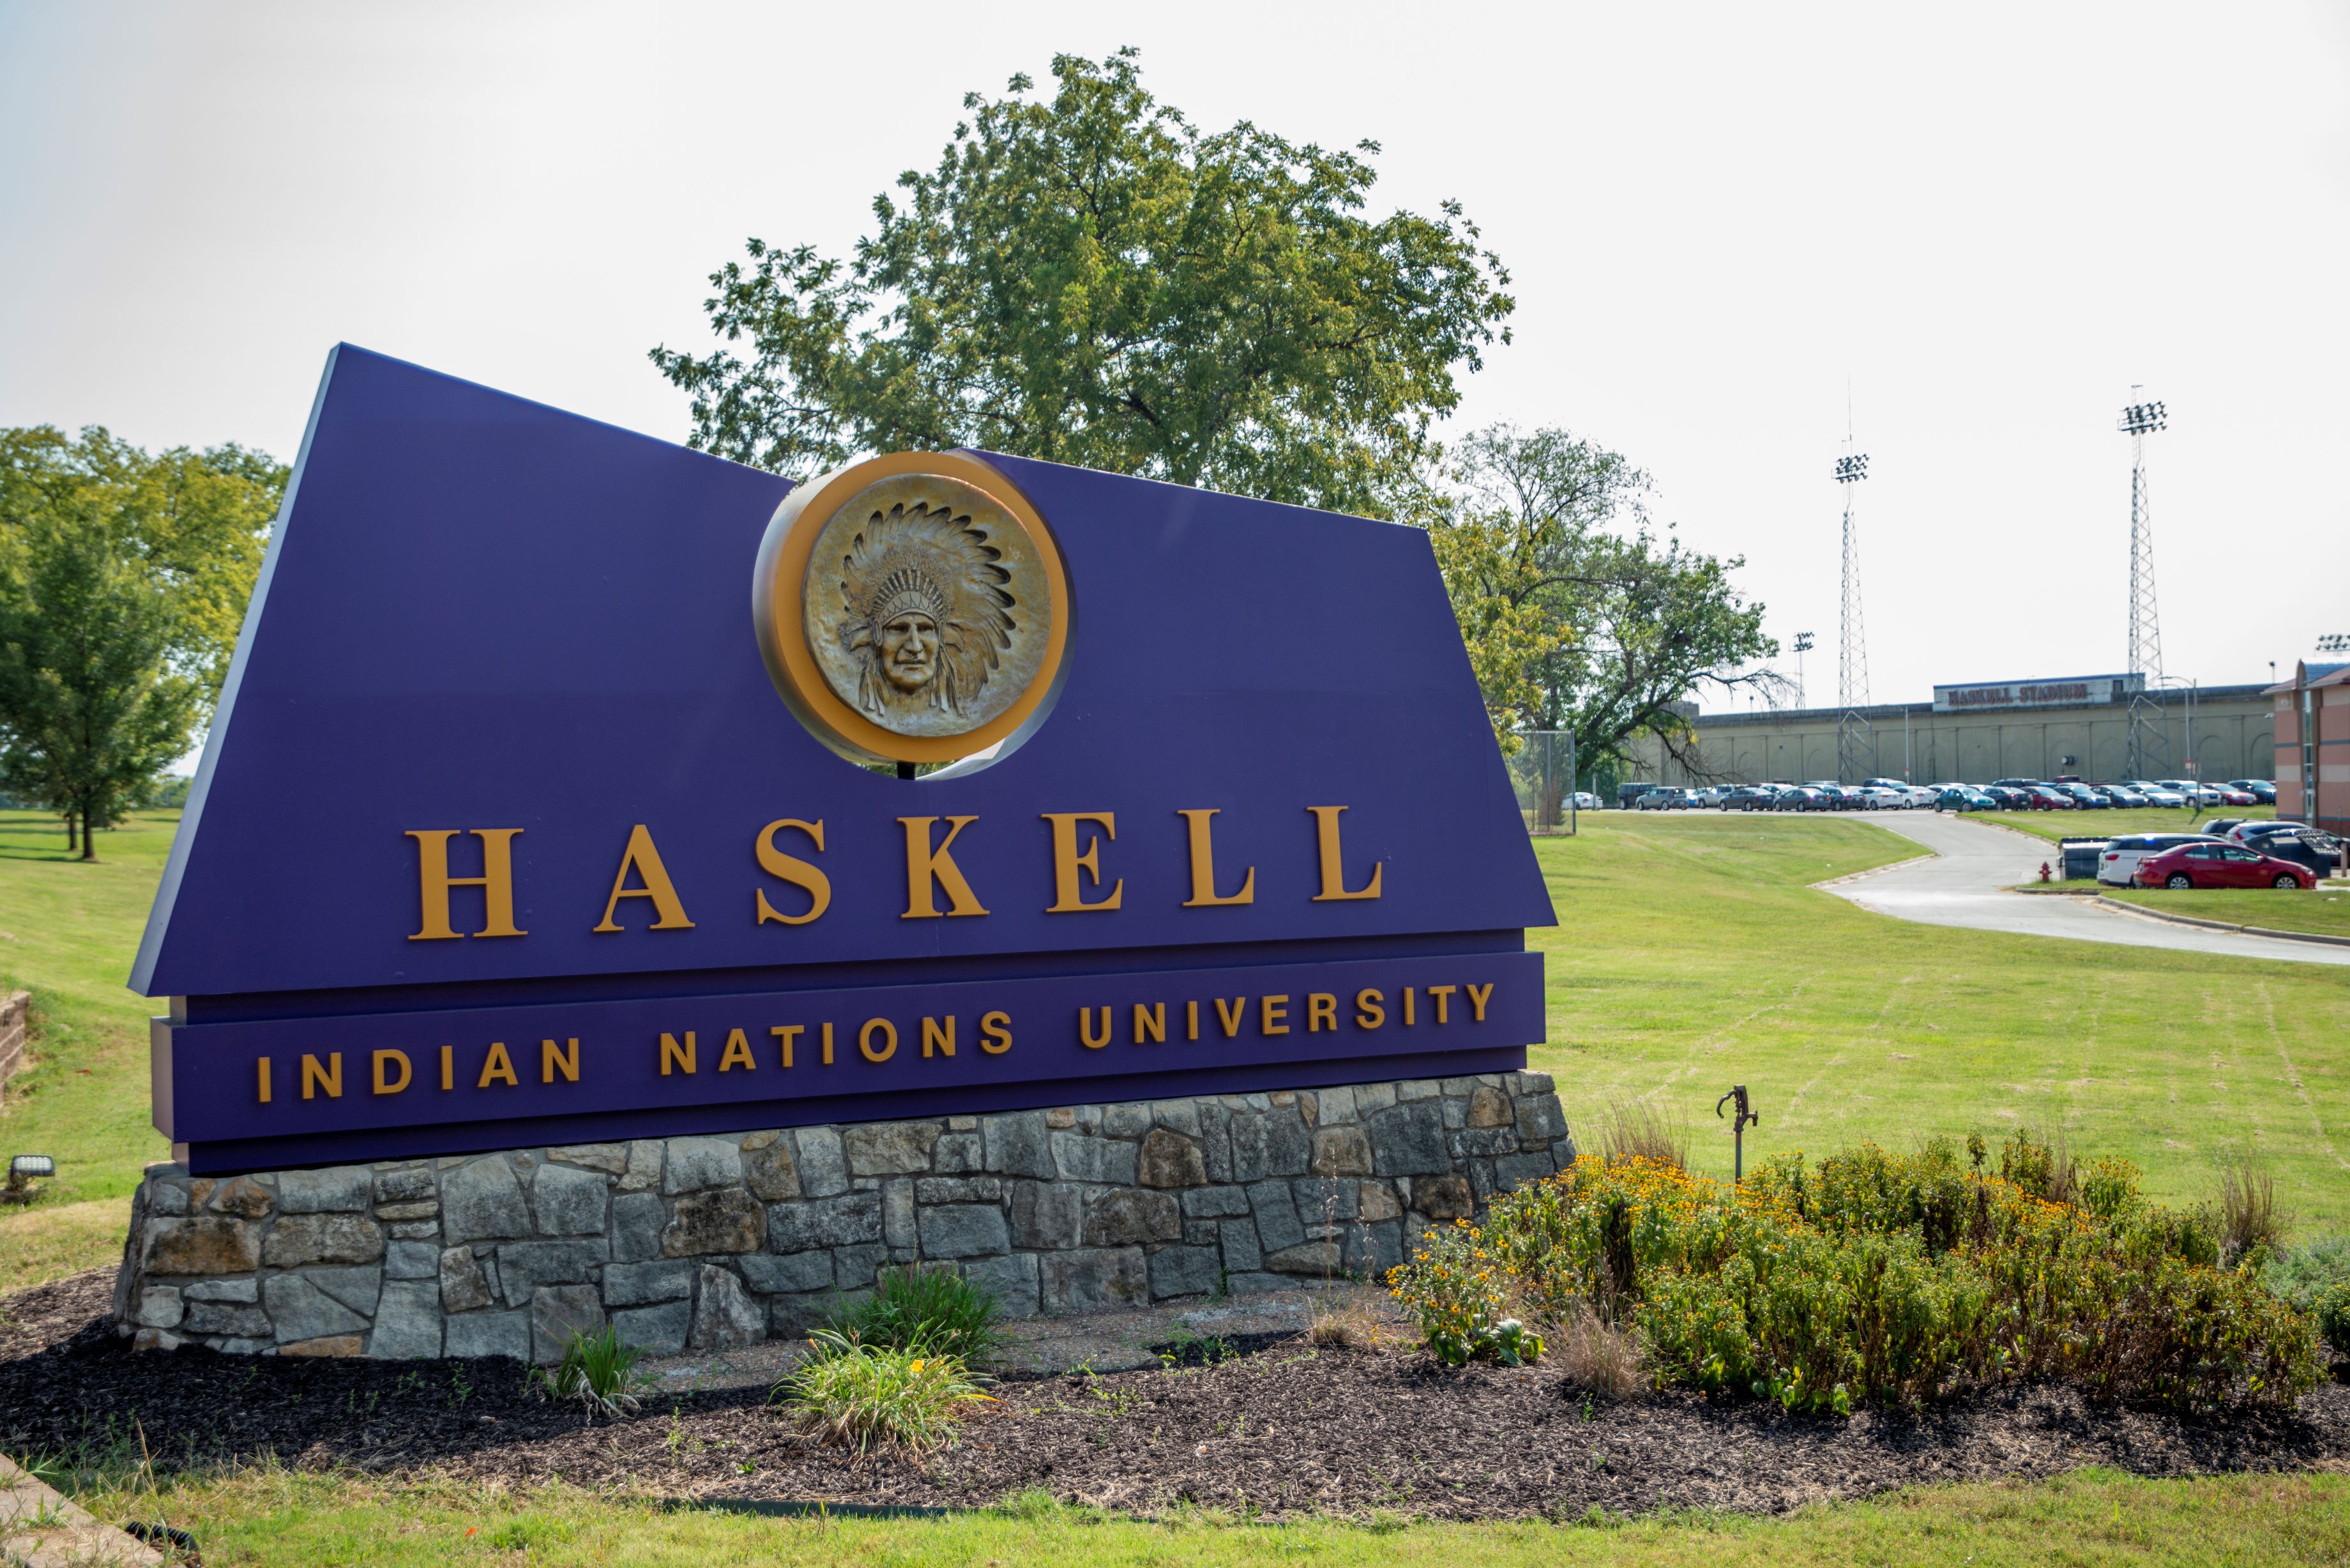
1541, 771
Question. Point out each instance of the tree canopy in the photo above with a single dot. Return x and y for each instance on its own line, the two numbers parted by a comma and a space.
124, 582
1094, 280
1576, 618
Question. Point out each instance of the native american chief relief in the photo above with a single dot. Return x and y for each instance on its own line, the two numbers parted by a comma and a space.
925, 608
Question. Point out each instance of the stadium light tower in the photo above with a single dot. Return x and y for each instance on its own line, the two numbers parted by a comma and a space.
1802, 646
2334, 642
1855, 752
2149, 740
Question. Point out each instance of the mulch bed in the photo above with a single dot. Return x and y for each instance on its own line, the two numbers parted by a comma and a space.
1286, 1430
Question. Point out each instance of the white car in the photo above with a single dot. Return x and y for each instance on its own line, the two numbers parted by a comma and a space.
2200, 794
1585, 801
2155, 794
1878, 797
2117, 863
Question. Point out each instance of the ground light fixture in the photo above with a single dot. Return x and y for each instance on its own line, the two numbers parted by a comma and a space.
22, 1170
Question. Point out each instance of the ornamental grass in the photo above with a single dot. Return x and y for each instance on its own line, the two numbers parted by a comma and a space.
862, 1396
1871, 1276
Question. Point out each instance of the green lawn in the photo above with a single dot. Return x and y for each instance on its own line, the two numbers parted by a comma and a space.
2055, 825
2089, 1520
2326, 910
68, 930
1691, 955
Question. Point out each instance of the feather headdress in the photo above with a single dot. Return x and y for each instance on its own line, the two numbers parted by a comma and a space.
928, 559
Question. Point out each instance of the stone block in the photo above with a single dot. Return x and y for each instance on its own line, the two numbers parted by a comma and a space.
1082, 1158
1126, 1120
1185, 1271
1216, 1139
721, 1219
889, 1148
205, 1244
1307, 1258
567, 1201
791, 1316
1242, 1253
1168, 1160
1368, 1252
1216, 1202
724, 1315
408, 1214
1323, 1202
1126, 1216
159, 1306
637, 1221
1374, 1202
1018, 1145
1061, 1117
1045, 1214
1256, 1283
611, 1158
928, 1189
1411, 1089
344, 1190
1540, 1119
482, 1202
855, 1268
1533, 1084
698, 1163
842, 1221
643, 1171
525, 1266
481, 1334
1334, 1107
898, 1215
1342, 1151
300, 1310
964, 1230
823, 1164
1277, 1215
1456, 1113
335, 1345
1446, 1196
1486, 1142
1177, 1115
959, 1154
407, 1322
656, 1330
245, 1197
464, 1287
640, 1284
1093, 1279
246, 1288
227, 1318
1512, 1171
557, 1313
406, 1184
1013, 1278
1480, 1178
1201, 1233
298, 1239
415, 1230
770, 1275
1372, 1098
1268, 1143
771, 1171
1409, 1140
357, 1289
166, 1197
411, 1261
1489, 1107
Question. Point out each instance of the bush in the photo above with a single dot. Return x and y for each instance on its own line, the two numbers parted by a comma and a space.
1872, 1276
856, 1396
2251, 1228
1639, 1130
599, 1371
932, 1309
2334, 1316
2302, 1274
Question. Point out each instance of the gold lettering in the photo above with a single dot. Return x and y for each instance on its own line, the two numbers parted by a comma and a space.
496, 882
1477, 998
737, 1054
263, 1065
1086, 1028
330, 1078
553, 1058
787, 1033
641, 858
1231, 1017
1321, 1011
792, 870
498, 1065
1203, 865
672, 1052
383, 1080
942, 1038
1439, 994
827, 1044
1190, 1020
1370, 1008
1334, 873
925, 865
1409, 1013
1151, 1021
995, 1033
865, 1040
1066, 862
1270, 1011
448, 1066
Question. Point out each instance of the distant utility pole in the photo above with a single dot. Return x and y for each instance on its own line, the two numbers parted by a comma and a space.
1855, 754
2150, 742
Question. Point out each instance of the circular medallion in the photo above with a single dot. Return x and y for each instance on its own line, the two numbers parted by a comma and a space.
912, 609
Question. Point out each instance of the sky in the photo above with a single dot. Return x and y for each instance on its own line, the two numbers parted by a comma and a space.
1972, 231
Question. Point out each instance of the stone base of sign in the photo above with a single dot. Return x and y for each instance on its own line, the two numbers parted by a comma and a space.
14, 1010
710, 1243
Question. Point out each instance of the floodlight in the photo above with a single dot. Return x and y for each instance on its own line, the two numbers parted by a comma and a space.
1803, 642
2141, 418
2334, 642
1848, 469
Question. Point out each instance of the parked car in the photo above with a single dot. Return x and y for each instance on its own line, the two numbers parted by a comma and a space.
2048, 797
1750, 797
2084, 797
1802, 797
2157, 794
1585, 801
2296, 841
2260, 790
2200, 794
2120, 795
2015, 784
1627, 795
2220, 826
1662, 798
2220, 866
2007, 797
1884, 797
2117, 864
1960, 798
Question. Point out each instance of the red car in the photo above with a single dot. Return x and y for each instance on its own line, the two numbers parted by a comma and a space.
2220, 866
2047, 797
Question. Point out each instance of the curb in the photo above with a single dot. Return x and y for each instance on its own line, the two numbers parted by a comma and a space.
41, 1528
1877, 870
2121, 909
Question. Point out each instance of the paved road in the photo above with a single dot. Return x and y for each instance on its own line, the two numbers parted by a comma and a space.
1964, 887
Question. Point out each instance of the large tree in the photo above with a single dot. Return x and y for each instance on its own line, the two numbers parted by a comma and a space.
1578, 620
123, 581
1094, 280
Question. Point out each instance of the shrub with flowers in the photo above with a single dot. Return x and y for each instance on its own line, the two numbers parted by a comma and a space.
1873, 1276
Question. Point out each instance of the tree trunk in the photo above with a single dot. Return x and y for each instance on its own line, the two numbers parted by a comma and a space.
71, 841
89, 845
